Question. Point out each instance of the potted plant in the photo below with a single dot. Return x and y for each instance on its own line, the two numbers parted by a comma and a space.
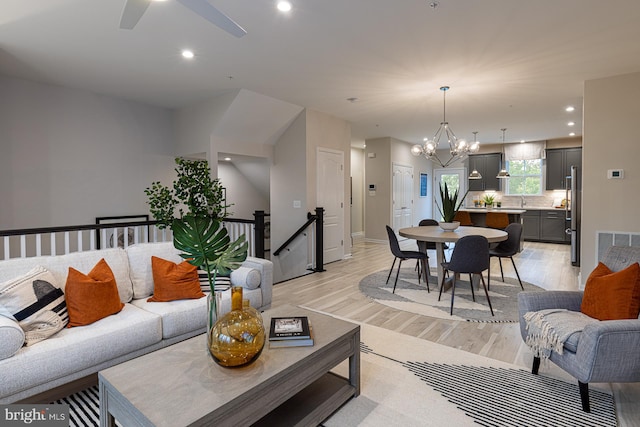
197, 231
488, 200
450, 206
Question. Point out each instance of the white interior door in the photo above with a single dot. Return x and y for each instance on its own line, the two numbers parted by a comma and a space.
455, 178
330, 190
402, 197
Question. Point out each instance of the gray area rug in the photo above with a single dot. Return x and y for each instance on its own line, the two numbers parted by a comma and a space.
413, 297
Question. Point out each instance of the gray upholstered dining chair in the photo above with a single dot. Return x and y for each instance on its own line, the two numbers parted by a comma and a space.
604, 350
405, 255
470, 255
507, 249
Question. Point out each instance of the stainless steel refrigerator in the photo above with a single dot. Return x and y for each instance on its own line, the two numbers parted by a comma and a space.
572, 211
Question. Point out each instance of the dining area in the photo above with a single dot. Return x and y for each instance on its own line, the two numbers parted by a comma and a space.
472, 249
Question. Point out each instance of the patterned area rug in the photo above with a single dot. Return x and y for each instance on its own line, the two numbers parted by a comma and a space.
414, 298
411, 382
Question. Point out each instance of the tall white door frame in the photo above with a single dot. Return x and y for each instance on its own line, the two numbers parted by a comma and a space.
330, 196
402, 196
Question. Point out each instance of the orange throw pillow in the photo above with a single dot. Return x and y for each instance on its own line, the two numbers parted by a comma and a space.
612, 296
91, 297
173, 281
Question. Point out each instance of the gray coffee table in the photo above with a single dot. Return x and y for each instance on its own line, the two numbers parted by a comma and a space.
181, 385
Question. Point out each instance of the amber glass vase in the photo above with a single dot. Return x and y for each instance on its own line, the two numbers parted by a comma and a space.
237, 338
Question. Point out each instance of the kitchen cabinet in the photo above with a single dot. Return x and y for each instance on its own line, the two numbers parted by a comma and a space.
545, 226
553, 226
531, 225
488, 165
559, 162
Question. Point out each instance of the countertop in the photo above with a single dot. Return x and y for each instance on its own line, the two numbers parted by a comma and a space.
516, 211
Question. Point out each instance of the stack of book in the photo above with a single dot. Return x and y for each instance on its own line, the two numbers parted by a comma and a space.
290, 332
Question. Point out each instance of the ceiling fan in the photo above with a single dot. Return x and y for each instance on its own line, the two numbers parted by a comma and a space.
134, 9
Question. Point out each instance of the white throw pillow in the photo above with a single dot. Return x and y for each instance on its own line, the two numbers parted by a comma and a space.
37, 302
248, 278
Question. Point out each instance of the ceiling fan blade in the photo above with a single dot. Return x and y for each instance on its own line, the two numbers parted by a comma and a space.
133, 11
213, 15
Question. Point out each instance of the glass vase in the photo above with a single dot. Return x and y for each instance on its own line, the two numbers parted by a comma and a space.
237, 338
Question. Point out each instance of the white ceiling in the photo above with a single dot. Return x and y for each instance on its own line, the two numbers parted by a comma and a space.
510, 63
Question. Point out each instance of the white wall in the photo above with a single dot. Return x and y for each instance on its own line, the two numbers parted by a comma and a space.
241, 193
69, 155
357, 188
610, 141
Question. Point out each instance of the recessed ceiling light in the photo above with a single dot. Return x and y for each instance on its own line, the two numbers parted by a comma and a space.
571, 124
570, 108
228, 159
186, 53
572, 134
284, 6
522, 141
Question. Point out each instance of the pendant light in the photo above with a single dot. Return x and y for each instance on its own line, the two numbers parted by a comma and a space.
475, 174
459, 149
503, 174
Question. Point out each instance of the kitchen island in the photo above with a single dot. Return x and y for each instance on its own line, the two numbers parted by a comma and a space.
479, 215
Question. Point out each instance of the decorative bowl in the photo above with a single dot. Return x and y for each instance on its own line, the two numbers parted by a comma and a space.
449, 226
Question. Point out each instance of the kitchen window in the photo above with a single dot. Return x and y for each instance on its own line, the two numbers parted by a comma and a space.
524, 163
526, 177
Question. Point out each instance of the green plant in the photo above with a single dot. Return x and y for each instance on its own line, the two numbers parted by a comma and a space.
489, 199
450, 204
194, 189
198, 232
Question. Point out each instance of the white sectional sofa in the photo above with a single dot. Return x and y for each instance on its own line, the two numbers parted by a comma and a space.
141, 326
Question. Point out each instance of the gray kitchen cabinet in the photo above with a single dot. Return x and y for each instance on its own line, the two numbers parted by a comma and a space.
559, 162
552, 226
545, 226
531, 225
488, 165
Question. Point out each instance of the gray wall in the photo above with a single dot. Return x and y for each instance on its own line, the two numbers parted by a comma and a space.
610, 141
289, 183
378, 171
67, 155
241, 193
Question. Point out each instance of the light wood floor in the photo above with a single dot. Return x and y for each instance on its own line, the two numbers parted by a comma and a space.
336, 291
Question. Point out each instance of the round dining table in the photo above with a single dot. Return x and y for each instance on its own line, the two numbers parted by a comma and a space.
433, 233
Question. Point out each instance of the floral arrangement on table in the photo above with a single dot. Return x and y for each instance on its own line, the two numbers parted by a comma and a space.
450, 204
198, 231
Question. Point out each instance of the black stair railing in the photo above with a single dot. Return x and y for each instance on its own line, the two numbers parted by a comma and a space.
318, 220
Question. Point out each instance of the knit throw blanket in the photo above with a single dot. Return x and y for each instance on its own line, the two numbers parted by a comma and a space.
549, 329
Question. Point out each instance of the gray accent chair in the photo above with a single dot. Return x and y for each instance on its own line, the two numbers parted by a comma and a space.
605, 351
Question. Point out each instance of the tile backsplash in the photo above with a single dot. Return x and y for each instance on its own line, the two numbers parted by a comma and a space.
548, 199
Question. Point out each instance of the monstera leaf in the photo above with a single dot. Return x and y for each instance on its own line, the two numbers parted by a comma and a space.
206, 244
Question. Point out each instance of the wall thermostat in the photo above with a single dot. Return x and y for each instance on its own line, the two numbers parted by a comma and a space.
372, 187
615, 173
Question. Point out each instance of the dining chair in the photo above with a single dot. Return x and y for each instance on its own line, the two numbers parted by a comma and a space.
470, 255
507, 249
405, 255
425, 246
